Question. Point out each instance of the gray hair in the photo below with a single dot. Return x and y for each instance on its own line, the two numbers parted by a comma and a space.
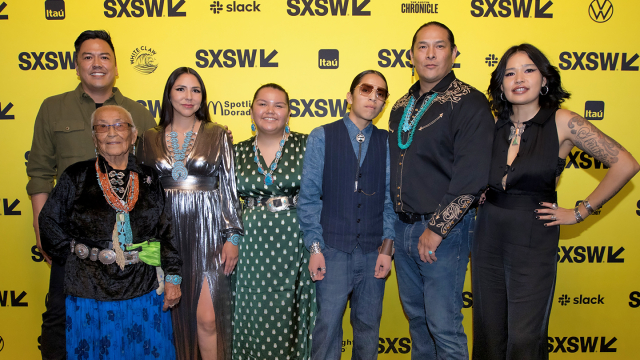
122, 110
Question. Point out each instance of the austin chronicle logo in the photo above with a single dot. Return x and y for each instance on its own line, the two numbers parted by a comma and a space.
328, 59
594, 110
419, 7
491, 60
54, 9
143, 60
601, 10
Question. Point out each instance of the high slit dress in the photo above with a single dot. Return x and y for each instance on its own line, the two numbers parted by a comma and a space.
205, 211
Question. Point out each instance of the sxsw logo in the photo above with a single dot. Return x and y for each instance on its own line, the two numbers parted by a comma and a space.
394, 345
584, 344
600, 10
328, 59
594, 61
594, 110
46, 61
54, 9
140, 8
398, 57
634, 296
152, 105
318, 107
564, 300
3, 16
586, 161
4, 112
320, 8
10, 209
217, 7
234, 57
504, 8
14, 301
590, 254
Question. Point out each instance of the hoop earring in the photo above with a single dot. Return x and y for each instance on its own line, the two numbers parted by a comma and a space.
502, 97
546, 92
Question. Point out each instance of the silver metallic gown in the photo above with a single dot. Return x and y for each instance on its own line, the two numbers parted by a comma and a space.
205, 212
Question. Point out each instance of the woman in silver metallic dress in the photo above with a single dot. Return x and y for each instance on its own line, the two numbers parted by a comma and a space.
196, 166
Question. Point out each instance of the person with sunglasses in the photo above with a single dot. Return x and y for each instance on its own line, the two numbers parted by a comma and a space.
440, 139
346, 216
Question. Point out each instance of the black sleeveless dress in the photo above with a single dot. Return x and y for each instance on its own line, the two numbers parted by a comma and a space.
514, 255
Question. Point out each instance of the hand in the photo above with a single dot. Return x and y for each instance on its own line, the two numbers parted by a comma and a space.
483, 197
172, 295
557, 216
383, 266
229, 257
317, 268
228, 132
427, 246
47, 258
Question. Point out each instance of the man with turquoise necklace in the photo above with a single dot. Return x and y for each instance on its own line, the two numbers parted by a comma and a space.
440, 136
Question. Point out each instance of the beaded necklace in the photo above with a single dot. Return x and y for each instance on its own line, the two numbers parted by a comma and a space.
122, 234
179, 171
268, 178
407, 125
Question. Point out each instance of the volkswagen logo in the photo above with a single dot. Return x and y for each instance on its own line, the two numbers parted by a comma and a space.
601, 10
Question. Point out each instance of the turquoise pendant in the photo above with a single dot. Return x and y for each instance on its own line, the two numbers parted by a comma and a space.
179, 171
268, 180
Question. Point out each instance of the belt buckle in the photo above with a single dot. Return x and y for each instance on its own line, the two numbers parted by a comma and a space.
82, 251
251, 202
278, 203
107, 256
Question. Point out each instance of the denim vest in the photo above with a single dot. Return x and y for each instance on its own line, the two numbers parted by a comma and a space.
351, 218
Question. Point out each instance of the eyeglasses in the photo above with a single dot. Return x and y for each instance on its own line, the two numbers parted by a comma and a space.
103, 128
366, 89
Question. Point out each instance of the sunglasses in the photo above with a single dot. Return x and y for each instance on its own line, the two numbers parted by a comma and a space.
103, 128
366, 89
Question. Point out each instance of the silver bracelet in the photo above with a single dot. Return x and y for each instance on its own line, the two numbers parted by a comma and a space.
588, 207
579, 218
315, 248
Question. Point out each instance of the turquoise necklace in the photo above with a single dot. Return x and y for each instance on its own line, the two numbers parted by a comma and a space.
268, 177
407, 125
179, 171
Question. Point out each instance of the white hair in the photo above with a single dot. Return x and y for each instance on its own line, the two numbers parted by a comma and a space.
122, 110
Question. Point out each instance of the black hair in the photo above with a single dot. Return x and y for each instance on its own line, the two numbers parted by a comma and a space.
359, 77
552, 99
452, 40
273, 86
166, 114
93, 34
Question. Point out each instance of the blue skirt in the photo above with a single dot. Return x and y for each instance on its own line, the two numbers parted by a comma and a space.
127, 329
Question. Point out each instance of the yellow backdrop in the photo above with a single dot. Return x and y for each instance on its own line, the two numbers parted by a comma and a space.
314, 48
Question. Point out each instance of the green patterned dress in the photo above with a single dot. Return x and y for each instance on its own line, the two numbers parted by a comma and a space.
275, 300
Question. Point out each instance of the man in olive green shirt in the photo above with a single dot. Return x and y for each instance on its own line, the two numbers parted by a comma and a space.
61, 137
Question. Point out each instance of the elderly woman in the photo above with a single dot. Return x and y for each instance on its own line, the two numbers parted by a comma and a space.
106, 219
515, 251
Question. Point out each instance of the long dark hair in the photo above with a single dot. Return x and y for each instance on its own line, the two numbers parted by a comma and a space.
166, 114
552, 99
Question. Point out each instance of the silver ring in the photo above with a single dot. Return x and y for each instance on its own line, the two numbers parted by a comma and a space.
553, 217
554, 206
313, 275
323, 269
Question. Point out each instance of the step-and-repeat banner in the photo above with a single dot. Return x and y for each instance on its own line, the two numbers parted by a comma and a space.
314, 48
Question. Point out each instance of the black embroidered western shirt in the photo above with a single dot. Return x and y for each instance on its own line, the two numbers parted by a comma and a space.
446, 167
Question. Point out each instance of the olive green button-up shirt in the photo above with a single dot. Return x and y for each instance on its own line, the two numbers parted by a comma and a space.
62, 134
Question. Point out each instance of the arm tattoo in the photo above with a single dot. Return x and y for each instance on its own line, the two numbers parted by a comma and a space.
593, 141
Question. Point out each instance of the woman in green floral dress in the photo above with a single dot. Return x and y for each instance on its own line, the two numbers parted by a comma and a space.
275, 298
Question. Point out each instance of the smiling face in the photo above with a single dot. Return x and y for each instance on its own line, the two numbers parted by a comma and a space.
96, 66
522, 80
366, 107
114, 144
186, 96
432, 55
270, 111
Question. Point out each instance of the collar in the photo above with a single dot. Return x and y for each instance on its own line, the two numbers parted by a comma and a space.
116, 96
441, 86
541, 117
353, 130
132, 164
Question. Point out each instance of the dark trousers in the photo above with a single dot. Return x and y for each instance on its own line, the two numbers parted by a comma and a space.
513, 272
53, 341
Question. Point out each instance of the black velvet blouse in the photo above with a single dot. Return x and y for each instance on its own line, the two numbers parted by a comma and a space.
77, 210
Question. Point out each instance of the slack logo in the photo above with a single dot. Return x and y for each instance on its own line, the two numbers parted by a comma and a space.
594, 110
54, 9
564, 300
328, 59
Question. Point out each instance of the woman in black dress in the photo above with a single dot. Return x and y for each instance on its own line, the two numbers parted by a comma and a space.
515, 251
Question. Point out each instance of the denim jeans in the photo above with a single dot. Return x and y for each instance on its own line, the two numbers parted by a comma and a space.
431, 294
348, 276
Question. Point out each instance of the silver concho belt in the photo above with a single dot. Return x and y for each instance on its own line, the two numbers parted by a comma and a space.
273, 204
105, 256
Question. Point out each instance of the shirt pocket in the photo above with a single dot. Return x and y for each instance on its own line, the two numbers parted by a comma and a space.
70, 138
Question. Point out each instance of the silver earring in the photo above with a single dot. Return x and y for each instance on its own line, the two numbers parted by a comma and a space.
546, 90
96, 151
502, 97
134, 149
413, 71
